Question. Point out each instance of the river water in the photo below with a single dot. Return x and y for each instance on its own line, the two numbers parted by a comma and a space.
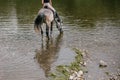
93, 26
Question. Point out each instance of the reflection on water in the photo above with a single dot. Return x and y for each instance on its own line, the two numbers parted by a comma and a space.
47, 54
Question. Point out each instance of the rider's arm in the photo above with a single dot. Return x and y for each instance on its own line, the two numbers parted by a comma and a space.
42, 1
51, 2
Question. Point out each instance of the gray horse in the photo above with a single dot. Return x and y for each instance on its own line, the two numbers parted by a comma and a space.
46, 16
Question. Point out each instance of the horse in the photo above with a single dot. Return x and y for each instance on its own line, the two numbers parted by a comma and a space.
46, 16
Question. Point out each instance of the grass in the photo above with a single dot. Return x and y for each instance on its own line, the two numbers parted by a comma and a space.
64, 71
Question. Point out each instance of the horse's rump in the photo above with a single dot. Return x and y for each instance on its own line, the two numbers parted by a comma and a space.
47, 13
44, 16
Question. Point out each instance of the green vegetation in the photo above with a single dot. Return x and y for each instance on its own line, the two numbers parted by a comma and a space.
64, 71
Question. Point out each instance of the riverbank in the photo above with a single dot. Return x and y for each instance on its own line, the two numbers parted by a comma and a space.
74, 71
77, 70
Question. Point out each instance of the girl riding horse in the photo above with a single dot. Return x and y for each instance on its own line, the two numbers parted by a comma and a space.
45, 15
48, 4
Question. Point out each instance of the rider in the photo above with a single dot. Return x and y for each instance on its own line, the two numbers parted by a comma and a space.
48, 4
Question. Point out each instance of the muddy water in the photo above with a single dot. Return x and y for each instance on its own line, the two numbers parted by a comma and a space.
94, 27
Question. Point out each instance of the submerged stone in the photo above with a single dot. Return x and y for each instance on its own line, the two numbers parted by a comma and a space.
102, 63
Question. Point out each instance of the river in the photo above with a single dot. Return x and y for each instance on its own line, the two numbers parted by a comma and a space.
93, 26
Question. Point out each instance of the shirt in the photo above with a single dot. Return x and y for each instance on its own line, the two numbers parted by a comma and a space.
46, 1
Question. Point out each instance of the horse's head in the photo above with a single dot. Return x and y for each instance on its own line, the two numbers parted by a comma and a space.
59, 24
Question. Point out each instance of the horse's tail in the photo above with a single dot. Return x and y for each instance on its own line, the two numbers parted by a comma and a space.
38, 21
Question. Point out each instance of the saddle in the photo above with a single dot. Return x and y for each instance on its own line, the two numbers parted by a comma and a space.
46, 7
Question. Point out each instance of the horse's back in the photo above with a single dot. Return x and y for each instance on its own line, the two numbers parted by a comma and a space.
47, 12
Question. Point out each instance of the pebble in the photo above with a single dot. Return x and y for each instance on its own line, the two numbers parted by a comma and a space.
102, 63
76, 75
80, 73
83, 63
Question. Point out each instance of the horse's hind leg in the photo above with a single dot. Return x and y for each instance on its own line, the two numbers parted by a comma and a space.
41, 30
47, 31
51, 28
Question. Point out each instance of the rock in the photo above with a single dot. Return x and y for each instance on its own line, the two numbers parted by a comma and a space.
83, 63
76, 75
113, 78
73, 76
102, 63
80, 73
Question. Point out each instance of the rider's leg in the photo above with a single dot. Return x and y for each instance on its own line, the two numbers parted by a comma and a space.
56, 16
